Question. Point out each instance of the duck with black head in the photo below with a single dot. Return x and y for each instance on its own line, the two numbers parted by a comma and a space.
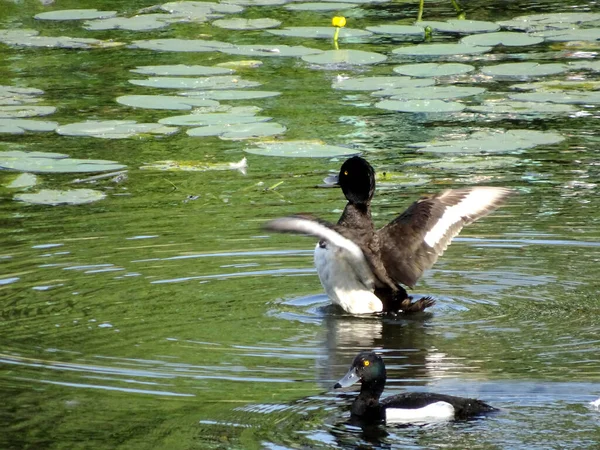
368, 369
362, 269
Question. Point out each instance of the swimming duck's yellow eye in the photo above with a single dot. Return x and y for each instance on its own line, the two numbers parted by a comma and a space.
366, 363
345, 172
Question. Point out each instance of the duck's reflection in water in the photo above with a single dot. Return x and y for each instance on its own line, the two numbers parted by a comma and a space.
404, 340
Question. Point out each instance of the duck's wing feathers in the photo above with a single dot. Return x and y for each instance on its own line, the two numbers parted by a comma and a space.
412, 242
463, 407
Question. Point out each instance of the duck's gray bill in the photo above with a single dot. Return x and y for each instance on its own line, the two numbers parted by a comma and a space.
332, 180
349, 379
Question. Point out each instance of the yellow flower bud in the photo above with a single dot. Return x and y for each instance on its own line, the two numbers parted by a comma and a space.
338, 21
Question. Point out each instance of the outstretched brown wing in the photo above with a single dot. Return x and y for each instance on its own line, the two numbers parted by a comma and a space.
413, 241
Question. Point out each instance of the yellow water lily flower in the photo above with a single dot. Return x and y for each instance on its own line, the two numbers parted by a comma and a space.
338, 21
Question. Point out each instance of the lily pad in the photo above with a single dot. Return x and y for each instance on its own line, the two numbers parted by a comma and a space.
113, 129
441, 50
23, 181
270, 50
182, 70
587, 34
45, 162
216, 82
506, 38
435, 92
7, 112
559, 85
458, 26
239, 130
555, 20
201, 120
524, 69
241, 64
20, 126
25, 38
585, 65
227, 94
172, 102
568, 97
500, 141
246, 24
54, 197
300, 149
180, 45
352, 57
379, 83
257, 2
144, 22
12, 95
398, 30
321, 6
198, 11
423, 70
420, 106
515, 108
75, 14
320, 32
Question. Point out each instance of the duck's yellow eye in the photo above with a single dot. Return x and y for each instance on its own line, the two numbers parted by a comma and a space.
345, 172
366, 363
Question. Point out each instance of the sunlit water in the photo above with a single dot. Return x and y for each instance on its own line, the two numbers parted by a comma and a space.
164, 317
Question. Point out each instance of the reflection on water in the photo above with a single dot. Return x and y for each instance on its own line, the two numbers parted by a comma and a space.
164, 317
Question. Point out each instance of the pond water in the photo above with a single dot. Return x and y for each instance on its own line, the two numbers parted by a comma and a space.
159, 314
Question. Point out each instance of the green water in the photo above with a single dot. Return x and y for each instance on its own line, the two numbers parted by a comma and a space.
164, 317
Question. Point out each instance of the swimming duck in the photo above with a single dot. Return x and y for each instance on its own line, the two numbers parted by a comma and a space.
361, 268
408, 408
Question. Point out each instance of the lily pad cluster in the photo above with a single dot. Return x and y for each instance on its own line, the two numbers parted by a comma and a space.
300, 149
17, 105
493, 141
30, 38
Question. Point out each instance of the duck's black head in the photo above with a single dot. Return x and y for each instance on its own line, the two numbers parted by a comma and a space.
367, 368
357, 180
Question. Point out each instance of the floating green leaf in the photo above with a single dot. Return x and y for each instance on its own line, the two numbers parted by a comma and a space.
491, 142
239, 131
587, 34
29, 38
441, 50
433, 69
113, 129
19, 126
201, 120
198, 11
420, 106
7, 112
216, 82
568, 97
75, 14
23, 181
44, 162
321, 6
410, 31
270, 50
516, 108
551, 21
300, 149
344, 57
379, 83
142, 22
435, 92
53, 197
506, 38
182, 70
231, 94
12, 95
172, 102
320, 32
180, 45
246, 24
523, 69
461, 26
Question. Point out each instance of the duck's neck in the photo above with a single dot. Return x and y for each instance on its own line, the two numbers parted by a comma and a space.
367, 402
356, 215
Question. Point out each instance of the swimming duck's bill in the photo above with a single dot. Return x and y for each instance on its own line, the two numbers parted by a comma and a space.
348, 380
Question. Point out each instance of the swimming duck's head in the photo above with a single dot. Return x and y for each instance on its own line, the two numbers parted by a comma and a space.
357, 180
366, 367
